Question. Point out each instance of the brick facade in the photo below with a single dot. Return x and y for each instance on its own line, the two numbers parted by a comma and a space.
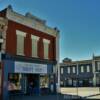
11, 36
20, 57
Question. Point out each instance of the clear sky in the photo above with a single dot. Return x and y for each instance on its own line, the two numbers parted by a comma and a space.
77, 20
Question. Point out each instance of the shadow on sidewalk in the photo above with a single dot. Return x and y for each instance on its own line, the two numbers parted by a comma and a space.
38, 97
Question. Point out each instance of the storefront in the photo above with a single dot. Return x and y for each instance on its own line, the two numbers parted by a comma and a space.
29, 78
30, 84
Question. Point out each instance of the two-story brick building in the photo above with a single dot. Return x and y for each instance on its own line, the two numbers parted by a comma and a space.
29, 54
83, 73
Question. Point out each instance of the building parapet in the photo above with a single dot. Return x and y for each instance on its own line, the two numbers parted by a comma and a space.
73, 63
31, 21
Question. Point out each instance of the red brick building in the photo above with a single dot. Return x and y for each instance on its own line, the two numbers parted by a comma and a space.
29, 53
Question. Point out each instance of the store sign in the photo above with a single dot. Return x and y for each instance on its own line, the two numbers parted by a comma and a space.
22, 67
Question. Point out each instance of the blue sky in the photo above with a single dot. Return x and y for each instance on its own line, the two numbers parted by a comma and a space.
77, 20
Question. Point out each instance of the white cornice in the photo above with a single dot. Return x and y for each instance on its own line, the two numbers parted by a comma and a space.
32, 23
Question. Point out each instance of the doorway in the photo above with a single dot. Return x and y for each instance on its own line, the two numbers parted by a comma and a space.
86, 83
33, 84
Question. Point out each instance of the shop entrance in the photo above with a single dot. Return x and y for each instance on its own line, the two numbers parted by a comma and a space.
33, 84
30, 84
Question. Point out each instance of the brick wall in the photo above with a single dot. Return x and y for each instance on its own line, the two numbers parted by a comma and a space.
11, 40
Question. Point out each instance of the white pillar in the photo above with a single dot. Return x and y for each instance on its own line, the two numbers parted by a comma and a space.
58, 66
94, 80
93, 68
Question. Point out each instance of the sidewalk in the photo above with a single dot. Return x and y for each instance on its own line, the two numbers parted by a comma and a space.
54, 97
45, 97
41, 97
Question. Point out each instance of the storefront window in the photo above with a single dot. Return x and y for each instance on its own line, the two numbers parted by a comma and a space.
74, 82
98, 80
70, 82
80, 83
44, 81
14, 82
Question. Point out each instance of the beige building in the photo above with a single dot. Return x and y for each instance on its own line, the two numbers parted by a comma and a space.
80, 73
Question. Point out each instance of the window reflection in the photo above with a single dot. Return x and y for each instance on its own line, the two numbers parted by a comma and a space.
44, 81
14, 82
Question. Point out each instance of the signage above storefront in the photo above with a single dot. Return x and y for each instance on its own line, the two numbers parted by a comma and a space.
23, 67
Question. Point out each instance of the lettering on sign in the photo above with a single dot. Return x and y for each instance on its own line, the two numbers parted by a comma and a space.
21, 67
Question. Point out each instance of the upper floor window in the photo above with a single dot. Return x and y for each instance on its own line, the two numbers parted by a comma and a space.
98, 66
73, 69
46, 48
88, 68
1, 40
20, 42
0, 34
68, 69
35, 40
61, 70
82, 68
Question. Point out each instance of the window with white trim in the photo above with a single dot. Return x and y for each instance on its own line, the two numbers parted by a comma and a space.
46, 48
68, 69
61, 70
20, 42
98, 65
82, 68
88, 68
73, 69
35, 40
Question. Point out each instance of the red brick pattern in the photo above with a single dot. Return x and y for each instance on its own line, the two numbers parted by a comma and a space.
11, 40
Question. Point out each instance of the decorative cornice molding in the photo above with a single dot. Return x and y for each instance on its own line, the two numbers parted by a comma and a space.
32, 23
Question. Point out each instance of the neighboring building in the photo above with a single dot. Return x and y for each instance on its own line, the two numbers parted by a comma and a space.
28, 54
83, 73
